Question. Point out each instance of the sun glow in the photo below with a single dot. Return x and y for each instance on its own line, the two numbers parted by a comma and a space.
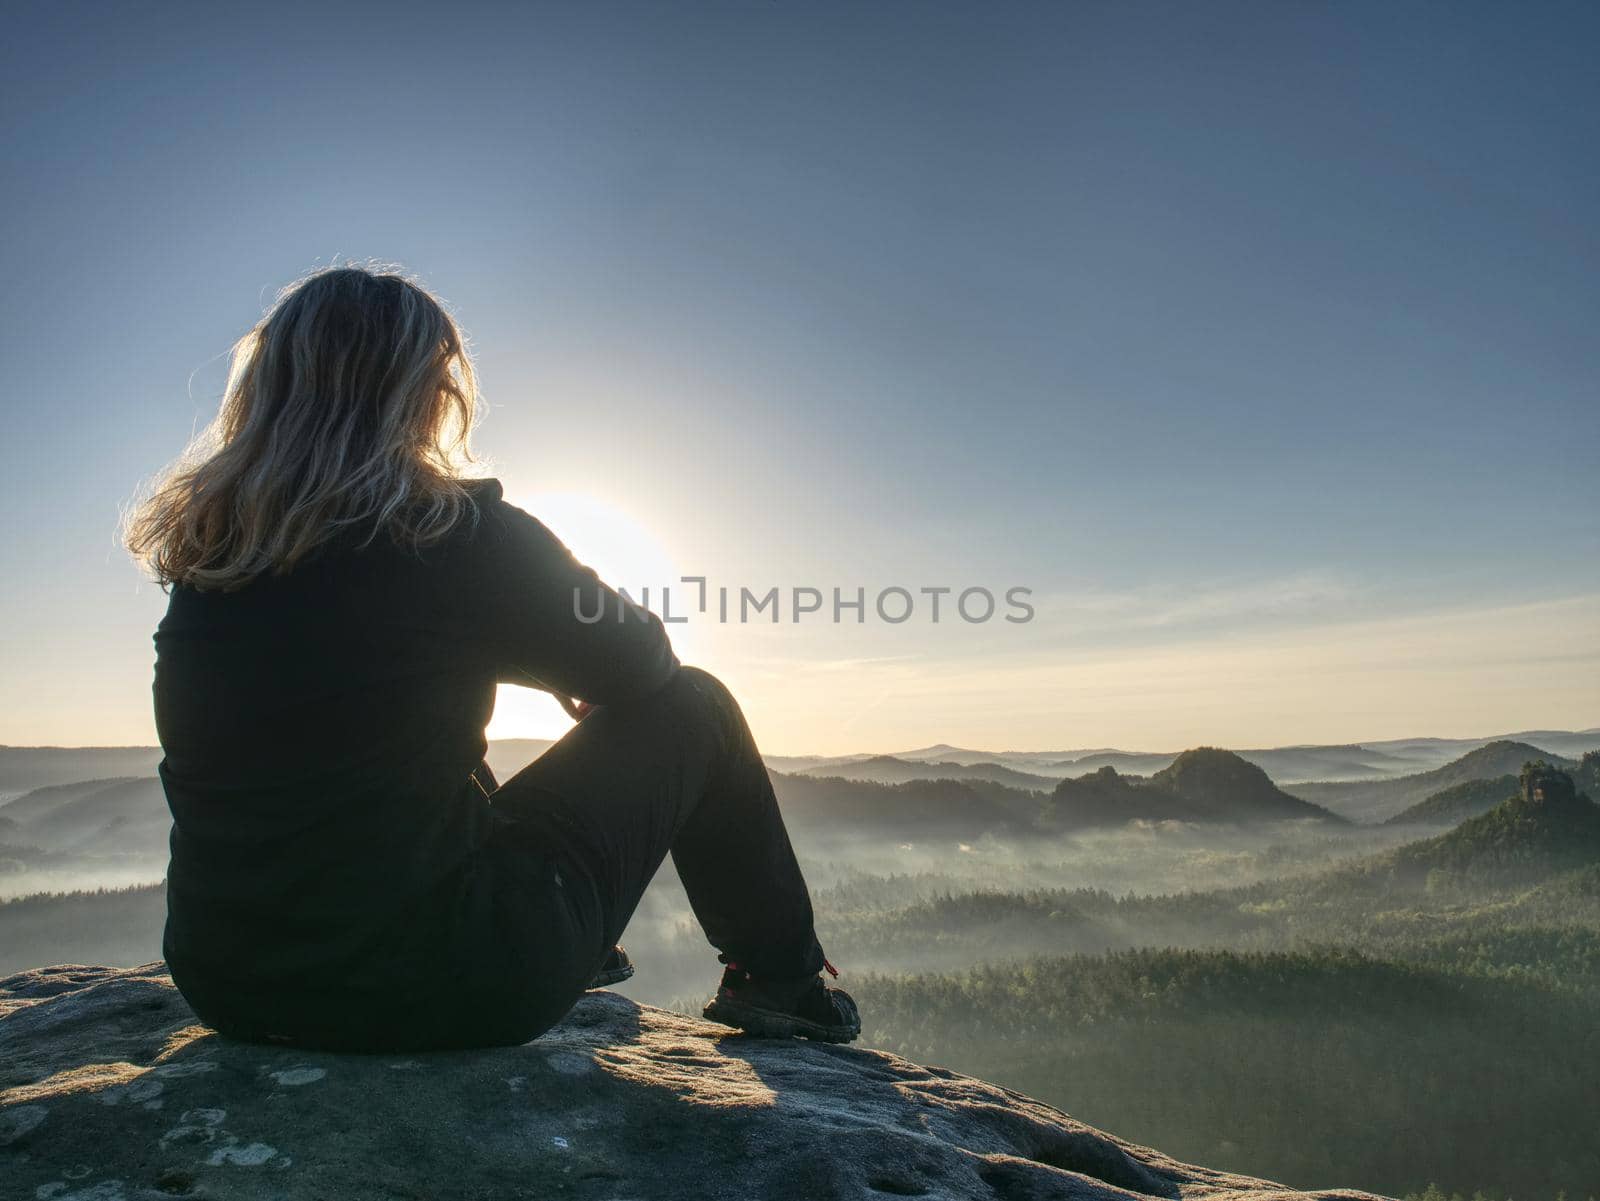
622, 549
626, 554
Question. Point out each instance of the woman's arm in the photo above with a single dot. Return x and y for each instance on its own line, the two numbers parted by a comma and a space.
553, 624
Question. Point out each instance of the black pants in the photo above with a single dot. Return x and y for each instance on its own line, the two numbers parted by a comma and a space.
678, 771
572, 842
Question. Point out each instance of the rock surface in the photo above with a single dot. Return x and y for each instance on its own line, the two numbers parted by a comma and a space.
110, 1090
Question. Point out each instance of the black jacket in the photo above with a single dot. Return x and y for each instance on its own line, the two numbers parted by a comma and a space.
320, 728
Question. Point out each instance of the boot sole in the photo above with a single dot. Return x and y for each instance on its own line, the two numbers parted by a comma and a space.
615, 976
769, 1023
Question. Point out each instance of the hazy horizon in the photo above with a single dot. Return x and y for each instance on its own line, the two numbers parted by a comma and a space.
1055, 748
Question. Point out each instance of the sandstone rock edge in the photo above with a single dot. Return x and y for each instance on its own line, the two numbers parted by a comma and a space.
110, 1090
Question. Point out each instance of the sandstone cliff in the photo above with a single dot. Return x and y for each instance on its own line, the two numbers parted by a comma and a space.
111, 1091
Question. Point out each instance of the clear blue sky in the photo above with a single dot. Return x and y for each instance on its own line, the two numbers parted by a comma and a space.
1242, 333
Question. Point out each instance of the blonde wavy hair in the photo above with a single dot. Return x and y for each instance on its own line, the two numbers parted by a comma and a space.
349, 404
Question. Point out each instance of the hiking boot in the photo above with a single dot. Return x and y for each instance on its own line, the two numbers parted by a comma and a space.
784, 1008
617, 968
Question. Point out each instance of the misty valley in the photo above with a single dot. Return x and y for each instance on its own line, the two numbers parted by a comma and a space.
1393, 945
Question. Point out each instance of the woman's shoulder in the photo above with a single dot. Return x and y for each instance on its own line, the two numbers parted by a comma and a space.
503, 531
487, 506
492, 525
484, 488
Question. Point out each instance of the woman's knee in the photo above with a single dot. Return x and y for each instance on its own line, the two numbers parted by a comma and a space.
711, 691
698, 698
692, 698
701, 679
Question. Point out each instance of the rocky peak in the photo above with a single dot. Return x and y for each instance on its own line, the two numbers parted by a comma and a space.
1543, 786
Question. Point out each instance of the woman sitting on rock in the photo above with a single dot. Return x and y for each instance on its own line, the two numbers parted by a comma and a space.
346, 874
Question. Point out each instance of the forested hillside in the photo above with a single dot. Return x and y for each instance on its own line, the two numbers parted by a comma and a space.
1231, 1058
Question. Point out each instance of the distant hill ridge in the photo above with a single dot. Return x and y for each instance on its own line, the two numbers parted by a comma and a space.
887, 769
26, 767
913, 811
1379, 800
1296, 763
47, 798
23, 768
1205, 784
35, 781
